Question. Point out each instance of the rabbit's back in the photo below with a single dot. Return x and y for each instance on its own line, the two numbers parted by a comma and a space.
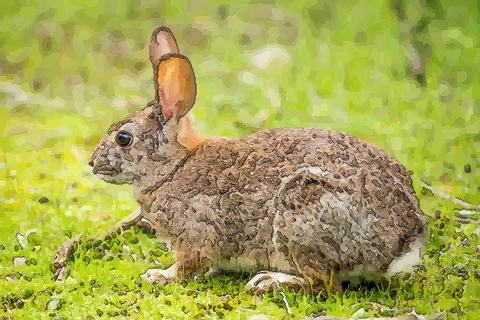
291, 199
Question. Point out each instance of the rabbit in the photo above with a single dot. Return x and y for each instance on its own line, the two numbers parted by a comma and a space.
295, 207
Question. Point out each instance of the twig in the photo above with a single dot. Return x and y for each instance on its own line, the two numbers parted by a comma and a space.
446, 196
285, 301
66, 251
466, 214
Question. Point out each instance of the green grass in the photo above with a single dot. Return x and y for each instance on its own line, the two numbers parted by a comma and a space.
84, 65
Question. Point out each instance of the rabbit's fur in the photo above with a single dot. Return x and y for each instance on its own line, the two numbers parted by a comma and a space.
304, 202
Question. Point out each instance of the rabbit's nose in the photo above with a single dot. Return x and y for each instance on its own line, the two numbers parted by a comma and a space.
90, 163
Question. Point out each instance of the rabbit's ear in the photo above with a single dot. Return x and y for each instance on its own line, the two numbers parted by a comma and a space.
163, 42
175, 85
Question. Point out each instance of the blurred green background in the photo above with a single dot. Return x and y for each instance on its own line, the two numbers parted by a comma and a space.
401, 74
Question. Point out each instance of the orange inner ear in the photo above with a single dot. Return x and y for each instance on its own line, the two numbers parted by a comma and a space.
176, 86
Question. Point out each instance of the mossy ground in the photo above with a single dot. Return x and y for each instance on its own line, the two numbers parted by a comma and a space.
67, 73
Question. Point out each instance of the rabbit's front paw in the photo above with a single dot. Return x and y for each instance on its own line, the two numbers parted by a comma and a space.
160, 276
267, 280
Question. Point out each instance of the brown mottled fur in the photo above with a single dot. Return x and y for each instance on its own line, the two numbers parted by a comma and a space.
326, 199
305, 202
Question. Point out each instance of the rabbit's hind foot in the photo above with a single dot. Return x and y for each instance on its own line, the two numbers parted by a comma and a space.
160, 276
267, 280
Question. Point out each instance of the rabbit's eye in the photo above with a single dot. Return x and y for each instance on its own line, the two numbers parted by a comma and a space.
124, 138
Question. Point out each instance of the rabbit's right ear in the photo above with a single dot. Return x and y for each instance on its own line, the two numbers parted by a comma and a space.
175, 85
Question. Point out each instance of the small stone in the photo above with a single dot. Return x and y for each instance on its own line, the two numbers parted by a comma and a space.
13, 276
55, 304
43, 200
19, 261
22, 240
360, 313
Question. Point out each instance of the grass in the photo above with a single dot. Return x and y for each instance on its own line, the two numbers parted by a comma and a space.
68, 73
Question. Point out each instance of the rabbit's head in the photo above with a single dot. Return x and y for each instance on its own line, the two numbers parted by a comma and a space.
147, 142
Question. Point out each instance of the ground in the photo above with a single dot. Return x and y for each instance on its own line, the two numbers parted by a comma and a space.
68, 73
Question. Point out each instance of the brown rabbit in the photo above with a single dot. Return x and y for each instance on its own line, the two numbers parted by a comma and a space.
296, 206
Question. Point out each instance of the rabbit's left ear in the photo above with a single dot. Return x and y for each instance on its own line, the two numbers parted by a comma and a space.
175, 85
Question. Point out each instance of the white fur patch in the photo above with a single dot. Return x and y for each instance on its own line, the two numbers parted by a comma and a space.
406, 261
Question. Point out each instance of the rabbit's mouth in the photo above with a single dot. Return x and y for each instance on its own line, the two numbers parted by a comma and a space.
104, 172
105, 168
113, 177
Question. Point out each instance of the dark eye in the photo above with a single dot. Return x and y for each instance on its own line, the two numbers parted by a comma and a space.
124, 138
